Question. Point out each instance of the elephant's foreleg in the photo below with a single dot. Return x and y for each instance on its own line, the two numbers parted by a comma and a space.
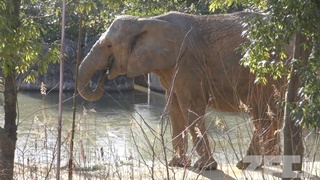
179, 135
202, 146
200, 140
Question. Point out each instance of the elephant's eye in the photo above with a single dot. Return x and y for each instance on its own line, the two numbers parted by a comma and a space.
109, 46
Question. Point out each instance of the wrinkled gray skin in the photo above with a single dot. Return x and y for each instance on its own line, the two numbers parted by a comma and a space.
197, 61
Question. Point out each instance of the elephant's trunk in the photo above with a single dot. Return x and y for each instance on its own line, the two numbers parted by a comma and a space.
87, 93
92, 63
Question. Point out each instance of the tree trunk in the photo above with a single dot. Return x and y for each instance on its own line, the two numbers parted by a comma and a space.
8, 135
293, 144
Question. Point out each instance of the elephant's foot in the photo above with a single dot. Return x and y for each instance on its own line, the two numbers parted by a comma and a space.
205, 163
254, 165
181, 161
242, 165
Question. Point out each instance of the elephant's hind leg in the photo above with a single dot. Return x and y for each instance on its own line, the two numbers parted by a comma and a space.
265, 142
179, 135
266, 118
253, 153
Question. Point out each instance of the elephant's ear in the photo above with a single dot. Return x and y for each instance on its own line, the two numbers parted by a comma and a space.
157, 46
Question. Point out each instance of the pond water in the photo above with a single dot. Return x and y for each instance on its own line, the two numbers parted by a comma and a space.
119, 128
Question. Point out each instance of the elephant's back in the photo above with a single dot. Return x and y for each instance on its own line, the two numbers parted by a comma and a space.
181, 19
189, 21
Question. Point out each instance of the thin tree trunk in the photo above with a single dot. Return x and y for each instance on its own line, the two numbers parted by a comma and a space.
293, 144
8, 135
75, 99
7, 150
59, 128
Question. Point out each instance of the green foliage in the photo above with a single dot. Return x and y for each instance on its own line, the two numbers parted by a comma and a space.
152, 7
308, 111
21, 45
265, 54
224, 5
156, 7
48, 14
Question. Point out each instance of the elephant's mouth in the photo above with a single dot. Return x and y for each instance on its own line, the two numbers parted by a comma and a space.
109, 65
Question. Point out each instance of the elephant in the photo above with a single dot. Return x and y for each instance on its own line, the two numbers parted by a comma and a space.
197, 60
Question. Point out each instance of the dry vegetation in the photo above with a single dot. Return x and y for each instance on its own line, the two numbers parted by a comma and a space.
143, 152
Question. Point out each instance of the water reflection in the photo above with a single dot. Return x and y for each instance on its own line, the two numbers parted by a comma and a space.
101, 126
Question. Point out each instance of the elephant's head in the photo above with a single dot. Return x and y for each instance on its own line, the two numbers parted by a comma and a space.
131, 46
